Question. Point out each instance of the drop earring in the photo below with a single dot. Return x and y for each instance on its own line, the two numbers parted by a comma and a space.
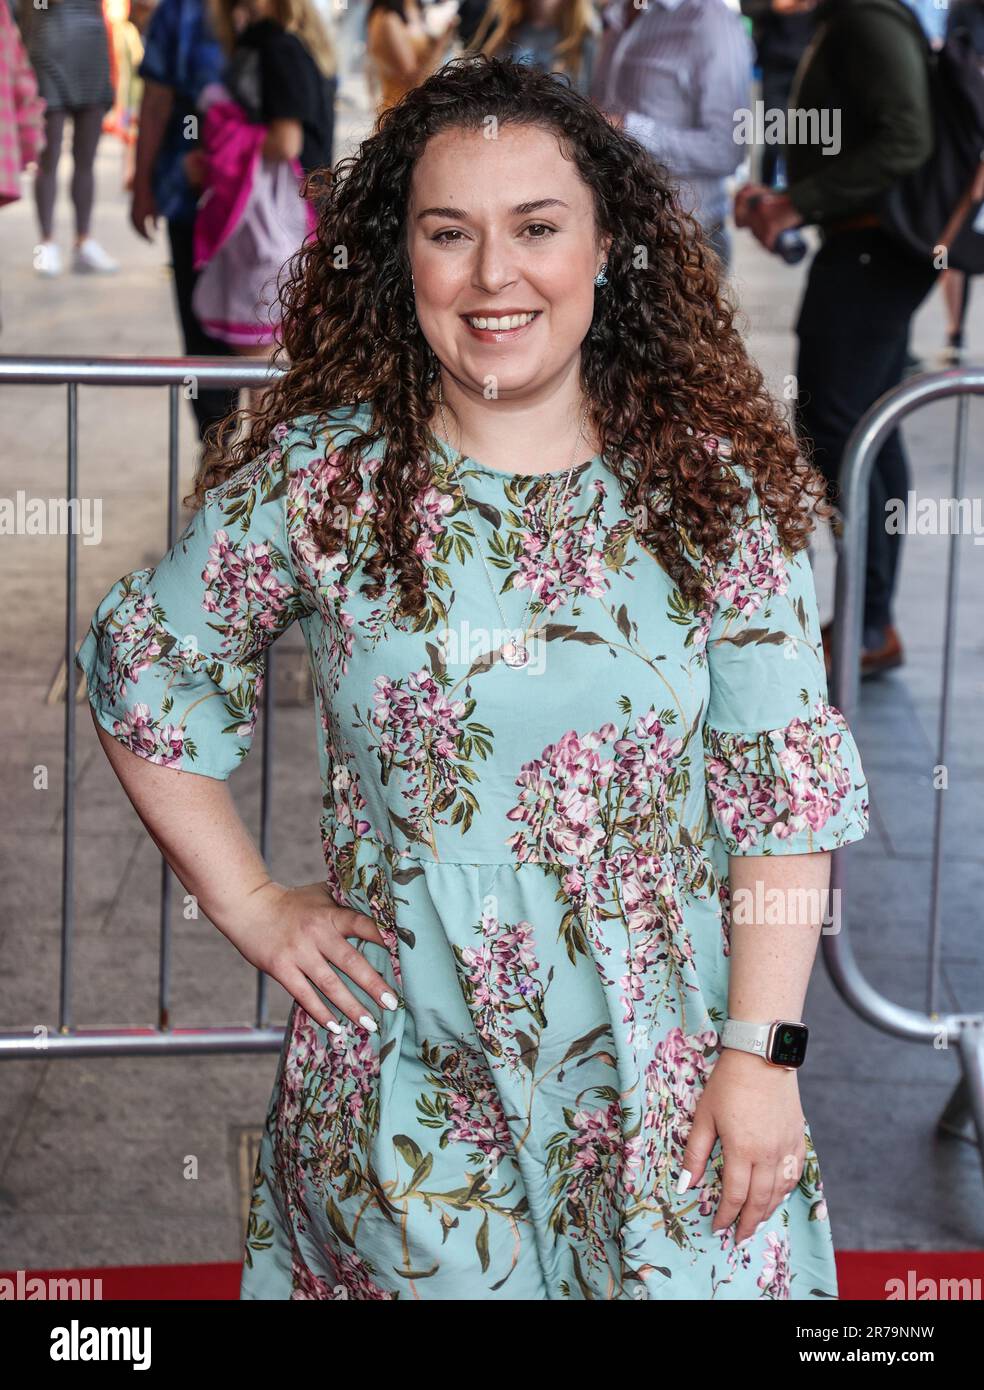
601, 278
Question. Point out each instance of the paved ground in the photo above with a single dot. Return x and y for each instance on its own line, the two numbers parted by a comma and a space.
94, 1154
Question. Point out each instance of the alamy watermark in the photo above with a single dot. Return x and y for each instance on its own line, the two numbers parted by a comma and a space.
466, 644
25, 1286
791, 907
22, 515
935, 516
777, 125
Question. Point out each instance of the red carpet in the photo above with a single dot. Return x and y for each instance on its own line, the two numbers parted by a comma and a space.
861, 1274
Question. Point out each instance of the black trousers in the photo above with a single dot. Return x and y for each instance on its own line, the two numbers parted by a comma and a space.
853, 330
214, 404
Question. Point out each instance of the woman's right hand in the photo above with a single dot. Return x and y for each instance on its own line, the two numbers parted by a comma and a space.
298, 936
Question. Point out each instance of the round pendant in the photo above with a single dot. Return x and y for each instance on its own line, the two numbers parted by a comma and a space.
515, 654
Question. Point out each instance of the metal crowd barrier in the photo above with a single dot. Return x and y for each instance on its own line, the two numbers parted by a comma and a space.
966, 1103
70, 1041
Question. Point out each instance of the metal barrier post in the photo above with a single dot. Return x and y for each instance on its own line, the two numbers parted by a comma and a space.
174, 373
887, 413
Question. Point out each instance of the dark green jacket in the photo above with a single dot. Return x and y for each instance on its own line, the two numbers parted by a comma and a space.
868, 60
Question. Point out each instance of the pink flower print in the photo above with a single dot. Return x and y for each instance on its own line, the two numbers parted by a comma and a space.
355, 1277
352, 1279
164, 746
591, 1162
238, 584
559, 798
776, 1277
309, 492
646, 760
570, 569
471, 1104
307, 1285
418, 731
500, 981
758, 570
431, 508
349, 799
674, 1081
802, 783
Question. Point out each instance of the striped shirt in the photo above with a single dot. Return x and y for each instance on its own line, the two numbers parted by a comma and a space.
678, 70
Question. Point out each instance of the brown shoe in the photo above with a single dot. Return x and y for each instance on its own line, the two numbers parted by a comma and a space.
882, 658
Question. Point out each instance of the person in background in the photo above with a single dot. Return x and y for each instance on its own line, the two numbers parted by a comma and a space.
672, 75
346, 23
21, 111
966, 16
129, 23
869, 61
298, 73
470, 15
933, 18
68, 44
282, 73
554, 35
401, 50
181, 57
781, 30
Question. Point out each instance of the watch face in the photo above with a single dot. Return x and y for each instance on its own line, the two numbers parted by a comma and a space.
788, 1044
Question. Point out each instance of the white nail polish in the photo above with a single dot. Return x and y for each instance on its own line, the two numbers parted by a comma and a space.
369, 1024
332, 1027
683, 1182
388, 1001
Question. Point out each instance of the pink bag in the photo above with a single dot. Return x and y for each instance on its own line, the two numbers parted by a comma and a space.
236, 297
21, 110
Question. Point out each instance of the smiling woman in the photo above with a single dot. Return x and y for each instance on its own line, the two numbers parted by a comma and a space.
544, 533
470, 259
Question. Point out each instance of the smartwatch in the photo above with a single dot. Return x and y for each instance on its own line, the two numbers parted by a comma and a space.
781, 1043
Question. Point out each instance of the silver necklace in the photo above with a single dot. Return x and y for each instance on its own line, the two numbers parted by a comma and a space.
515, 652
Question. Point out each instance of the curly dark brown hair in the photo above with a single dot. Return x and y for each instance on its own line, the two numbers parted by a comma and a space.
663, 367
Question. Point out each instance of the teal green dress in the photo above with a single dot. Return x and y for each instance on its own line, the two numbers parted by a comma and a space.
544, 848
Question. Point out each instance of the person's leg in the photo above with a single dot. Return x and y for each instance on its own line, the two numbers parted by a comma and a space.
890, 478
776, 86
853, 329
89, 256
208, 405
956, 290
46, 179
86, 129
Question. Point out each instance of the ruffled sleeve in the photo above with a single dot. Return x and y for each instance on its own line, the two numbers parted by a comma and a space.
175, 655
783, 773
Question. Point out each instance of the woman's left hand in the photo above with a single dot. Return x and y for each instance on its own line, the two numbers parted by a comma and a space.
755, 1108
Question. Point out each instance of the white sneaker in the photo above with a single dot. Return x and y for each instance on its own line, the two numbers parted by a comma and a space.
90, 257
47, 258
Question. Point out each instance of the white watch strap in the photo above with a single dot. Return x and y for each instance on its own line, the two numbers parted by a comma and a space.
747, 1037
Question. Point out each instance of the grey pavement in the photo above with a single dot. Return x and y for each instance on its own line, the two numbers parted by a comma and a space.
94, 1154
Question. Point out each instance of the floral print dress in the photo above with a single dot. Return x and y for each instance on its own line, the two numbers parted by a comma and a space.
544, 848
